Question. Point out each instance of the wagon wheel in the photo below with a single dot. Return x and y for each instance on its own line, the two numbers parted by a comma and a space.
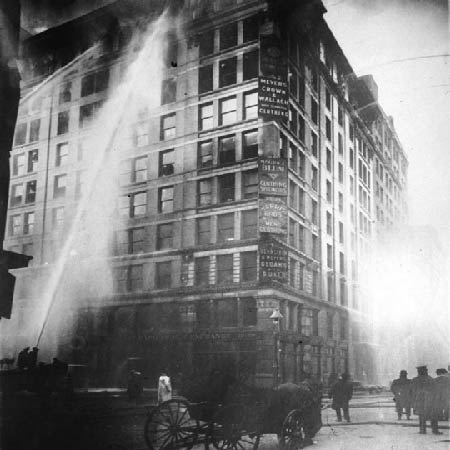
292, 436
170, 426
235, 428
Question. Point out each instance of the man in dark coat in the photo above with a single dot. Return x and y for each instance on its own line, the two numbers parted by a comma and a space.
421, 396
22, 359
440, 395
341, 392
401, 389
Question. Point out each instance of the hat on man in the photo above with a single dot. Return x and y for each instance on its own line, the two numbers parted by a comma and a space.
403, 372
422, 370
441, 372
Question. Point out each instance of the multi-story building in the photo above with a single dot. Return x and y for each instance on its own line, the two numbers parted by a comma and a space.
249, 190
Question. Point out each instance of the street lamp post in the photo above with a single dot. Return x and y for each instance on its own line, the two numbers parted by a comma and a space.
276, 317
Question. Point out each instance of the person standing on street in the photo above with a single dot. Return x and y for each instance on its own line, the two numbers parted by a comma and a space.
401, 390
164, 388
421, 396
341, 392
440, 393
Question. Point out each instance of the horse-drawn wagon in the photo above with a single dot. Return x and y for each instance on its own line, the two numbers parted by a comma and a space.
230, 415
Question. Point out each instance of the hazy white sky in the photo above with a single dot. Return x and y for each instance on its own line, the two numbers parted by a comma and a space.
394, 40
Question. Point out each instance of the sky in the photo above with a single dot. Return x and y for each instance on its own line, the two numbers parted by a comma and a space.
404, 44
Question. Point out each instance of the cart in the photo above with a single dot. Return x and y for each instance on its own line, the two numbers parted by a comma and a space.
231, 418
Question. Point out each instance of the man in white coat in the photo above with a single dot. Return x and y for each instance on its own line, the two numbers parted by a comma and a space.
164, 388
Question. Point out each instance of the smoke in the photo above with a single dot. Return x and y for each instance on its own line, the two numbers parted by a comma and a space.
83, 274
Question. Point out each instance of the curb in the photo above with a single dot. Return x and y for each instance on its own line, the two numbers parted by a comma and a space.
381, 422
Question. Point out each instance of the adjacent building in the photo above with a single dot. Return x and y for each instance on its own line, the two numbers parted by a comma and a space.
258, 185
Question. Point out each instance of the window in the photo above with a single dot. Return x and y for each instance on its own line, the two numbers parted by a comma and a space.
140, 134
329, 191
330, 325
314, 213
163, 275
94, 82
20, 136
301, 128
301, 238
329, 224
164, 236
329, 256
32, 160
135, 278
227, 71
205, 154
16, 194
292, 191
250, 144
18, 164
133, 205
328, 99
35, 126
62, 154
227, 111
168, 127
30, 193
301, 201
315, 283
250, 65
250, 28
226, 188
292, 237
121, 279
63, 122
341, 263
204, 192
314, 178
315, 80
203, 231
341, 233
250, 184
65, 92
314, 144
340, 144
166, 162
249, 311
301, 276
341, 117
59, 188
224, 268
344, 327
228, 35
293, 120
227, 312
202, 271
225, 227
341, 202
58, 218
165, 199
168, 91
292, 272
249, 224
328, 131
301, 164
227, 149
352, 158
206, 116
248, 266
28, 226
205, 79
206, 43
16, 225
293, 157
87, 113
314, 111
306, 322
340, 173
133, 171
315, 246
315, 320
131, 241
328, 160
251, 105
293, 86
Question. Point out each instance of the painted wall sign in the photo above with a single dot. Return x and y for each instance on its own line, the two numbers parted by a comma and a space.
273, 92
273, 262
273, 217
273, 176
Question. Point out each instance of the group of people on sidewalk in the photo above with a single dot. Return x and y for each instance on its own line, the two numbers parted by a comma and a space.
428, 397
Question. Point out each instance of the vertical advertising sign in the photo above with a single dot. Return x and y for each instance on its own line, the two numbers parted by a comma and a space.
273, 178
273, 216
273, 94
273, 262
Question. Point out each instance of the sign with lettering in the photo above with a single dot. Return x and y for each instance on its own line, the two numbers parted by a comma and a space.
273, 176
273, 92
273, 262
273, 217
